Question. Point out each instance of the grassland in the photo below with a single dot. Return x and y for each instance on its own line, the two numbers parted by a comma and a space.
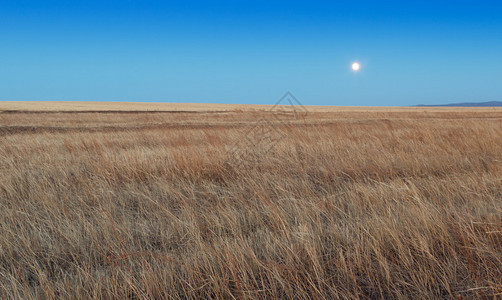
118, 202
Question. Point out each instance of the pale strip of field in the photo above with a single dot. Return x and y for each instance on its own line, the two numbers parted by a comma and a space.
112, 106
150, 106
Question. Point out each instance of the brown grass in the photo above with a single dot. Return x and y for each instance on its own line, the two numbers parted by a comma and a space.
348, 203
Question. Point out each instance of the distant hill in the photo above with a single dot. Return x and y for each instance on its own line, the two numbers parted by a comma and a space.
468, 104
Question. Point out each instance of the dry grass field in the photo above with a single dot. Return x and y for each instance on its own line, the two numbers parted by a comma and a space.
185, 202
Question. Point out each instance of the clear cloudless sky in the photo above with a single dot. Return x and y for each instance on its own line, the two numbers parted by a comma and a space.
411, 52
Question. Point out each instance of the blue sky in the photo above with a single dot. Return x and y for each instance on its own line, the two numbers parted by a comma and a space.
411, 52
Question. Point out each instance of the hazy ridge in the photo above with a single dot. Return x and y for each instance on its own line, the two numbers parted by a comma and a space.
468, 104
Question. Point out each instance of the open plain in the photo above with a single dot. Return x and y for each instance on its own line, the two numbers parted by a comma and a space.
141, 201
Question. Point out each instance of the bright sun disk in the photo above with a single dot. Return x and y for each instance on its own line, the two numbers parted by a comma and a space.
356, 66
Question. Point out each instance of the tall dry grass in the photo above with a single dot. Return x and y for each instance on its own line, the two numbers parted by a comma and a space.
346, 205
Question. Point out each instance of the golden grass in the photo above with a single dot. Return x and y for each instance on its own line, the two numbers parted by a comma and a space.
349, 203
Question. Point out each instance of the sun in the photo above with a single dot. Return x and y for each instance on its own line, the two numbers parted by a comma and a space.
356, 66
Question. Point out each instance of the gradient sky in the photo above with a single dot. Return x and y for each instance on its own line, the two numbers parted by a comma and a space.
411, 52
